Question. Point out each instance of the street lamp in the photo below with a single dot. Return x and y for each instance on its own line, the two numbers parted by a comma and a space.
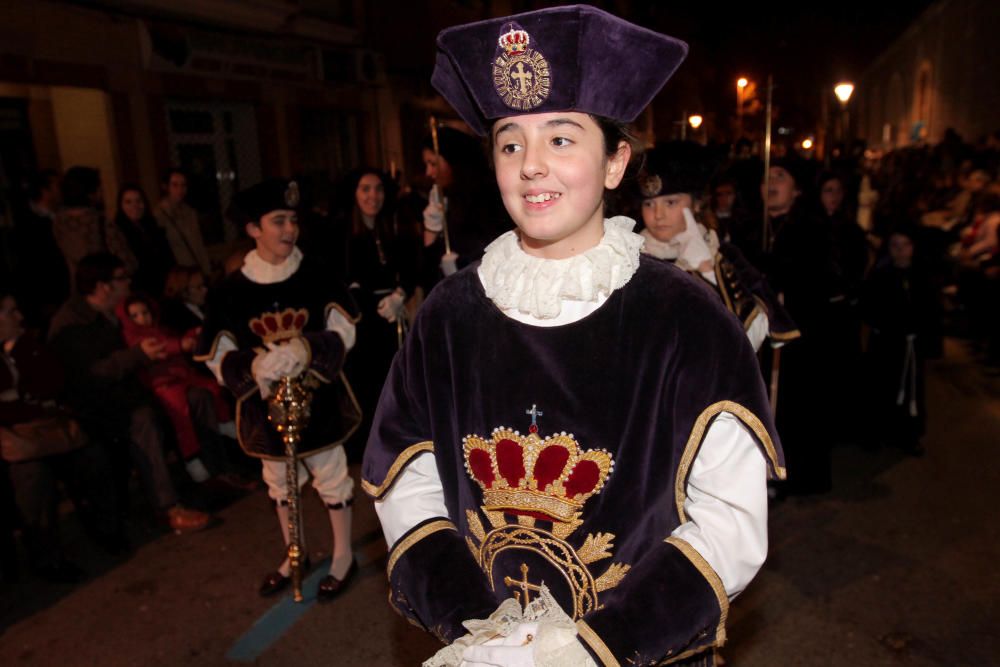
843, 91
807, 144
695, 121
741, 84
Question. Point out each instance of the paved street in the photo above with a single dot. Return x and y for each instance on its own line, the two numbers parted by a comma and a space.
896, 567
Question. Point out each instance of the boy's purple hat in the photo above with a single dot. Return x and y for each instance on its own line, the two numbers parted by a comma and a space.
574, 58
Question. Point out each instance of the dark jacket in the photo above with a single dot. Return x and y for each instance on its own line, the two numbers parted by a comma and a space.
101, 381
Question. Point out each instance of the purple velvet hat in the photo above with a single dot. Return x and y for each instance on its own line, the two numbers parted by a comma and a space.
574, 58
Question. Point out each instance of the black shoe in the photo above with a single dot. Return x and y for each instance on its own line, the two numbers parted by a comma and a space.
330, 587
275, 582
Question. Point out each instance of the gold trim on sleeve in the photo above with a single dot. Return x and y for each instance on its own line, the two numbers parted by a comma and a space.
597, 644
420, 533
713, 580
333, 305
215, 346
401, 461
786, 335
749, 420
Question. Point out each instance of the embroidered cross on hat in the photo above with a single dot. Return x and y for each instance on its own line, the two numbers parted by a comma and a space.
574, 58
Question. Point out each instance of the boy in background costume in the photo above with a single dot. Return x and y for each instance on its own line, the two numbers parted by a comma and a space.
569, 457
284, 315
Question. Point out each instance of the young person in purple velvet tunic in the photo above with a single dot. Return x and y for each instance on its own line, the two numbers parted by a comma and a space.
286, 314
570, 454
672, 180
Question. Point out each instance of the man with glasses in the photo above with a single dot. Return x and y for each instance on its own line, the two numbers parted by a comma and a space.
102, 386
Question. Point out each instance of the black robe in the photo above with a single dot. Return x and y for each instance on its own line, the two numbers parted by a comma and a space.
239, 308
628, 392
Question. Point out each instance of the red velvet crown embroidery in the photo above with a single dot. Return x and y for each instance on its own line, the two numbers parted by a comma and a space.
515, 41
276, 327
547, 479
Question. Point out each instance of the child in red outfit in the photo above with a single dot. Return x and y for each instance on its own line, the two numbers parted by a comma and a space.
170, 379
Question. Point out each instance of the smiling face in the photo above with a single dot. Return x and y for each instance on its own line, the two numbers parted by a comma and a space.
132, 205
370, 195
275, 235
664, 215
552, 170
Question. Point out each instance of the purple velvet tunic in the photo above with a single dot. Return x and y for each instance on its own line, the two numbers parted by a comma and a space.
585, 501
245, 312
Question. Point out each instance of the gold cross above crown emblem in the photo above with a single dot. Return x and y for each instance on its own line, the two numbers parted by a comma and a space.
526, 586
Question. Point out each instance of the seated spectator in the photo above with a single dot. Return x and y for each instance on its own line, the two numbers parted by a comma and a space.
145, 239
41, 445
102, 384
184, 296
172, 379
80, 227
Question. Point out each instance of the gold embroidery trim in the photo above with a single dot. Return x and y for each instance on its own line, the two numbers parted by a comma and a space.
215, 346
749, 420
420, 533
333, 305
787, 335
401, 461
713, 580
597, 644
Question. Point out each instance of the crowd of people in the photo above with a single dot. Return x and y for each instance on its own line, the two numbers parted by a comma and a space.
842, 287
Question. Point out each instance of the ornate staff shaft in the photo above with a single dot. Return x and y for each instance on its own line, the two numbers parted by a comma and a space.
437, 157
288, 411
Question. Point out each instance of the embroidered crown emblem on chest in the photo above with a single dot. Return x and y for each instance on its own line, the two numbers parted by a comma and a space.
284, 325
548, 479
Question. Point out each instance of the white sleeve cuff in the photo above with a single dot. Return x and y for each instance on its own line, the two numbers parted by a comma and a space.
336, 321
727, 503
415, 497
224, 347
757, 333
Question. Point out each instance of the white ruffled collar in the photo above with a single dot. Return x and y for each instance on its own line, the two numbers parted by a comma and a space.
265, 273
671, 250
535, 286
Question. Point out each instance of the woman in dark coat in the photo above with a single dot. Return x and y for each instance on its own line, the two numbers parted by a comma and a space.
144, 238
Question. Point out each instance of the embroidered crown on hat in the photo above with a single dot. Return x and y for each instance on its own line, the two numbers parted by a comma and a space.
549, 479
276, 327
514, 41
593, 63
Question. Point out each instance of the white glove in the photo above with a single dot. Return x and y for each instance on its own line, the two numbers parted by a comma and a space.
693, 249
391, 306
449, 263
434, 212
514, 650
287, 359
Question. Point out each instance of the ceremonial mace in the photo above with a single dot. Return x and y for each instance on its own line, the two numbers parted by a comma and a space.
288, 411
766, 240
437, 161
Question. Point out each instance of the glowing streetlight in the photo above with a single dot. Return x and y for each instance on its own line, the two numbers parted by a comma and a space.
843, 91
741, 84
695, 121
807, 144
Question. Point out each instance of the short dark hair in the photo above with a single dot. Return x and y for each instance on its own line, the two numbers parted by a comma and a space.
98, 267
79, 184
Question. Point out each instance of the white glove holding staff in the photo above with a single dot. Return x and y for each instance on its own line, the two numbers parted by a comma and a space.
391, 306
435, 210
288, 359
